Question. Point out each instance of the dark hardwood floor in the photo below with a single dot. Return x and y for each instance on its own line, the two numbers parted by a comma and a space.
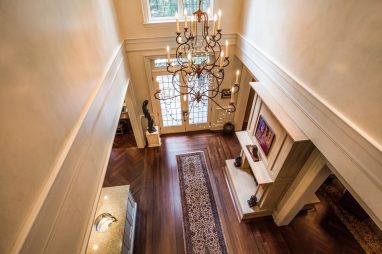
152, 174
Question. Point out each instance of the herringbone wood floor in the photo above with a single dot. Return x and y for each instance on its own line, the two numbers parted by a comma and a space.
152, 174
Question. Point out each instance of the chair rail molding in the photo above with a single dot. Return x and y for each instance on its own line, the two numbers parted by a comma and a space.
60, 218
159, 43
355, 156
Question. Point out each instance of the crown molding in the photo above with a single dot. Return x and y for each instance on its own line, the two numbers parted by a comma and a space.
355, 157
159, 43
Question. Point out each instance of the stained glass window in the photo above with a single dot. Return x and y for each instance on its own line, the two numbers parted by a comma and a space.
162, 9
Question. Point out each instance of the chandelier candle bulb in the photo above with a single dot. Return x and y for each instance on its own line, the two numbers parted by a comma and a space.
214, 25
221, 59
192, 25
232, 94
185, 18
168, 54
220, 19
237, 77
226, 48
177, 22
184, 97
189, 61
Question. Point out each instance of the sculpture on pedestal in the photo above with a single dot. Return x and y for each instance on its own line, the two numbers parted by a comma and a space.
150, 120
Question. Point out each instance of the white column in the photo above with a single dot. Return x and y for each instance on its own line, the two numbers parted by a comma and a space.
242, 98
135, 119
312, 175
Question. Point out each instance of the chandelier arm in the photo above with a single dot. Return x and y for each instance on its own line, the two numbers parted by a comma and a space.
156, 95
174, 84
186, 34
168, 68
204, 103
232, 105
185, 81
218, 35
199, 76
236, 86
215, 76
210, 66
217, 89
179, 54
219, 79
213, 65
213, 95
192, 88
190, 108
233, 109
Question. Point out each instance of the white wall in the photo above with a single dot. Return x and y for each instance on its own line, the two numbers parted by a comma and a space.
334, 48
321, 60
55, 57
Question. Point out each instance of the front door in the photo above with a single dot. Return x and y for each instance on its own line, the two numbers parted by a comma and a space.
198, 112
180, 114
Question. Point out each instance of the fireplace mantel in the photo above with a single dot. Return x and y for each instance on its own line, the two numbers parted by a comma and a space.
270, 177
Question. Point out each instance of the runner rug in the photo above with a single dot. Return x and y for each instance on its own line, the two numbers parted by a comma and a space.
201, 224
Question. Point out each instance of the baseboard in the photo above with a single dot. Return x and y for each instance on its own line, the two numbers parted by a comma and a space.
354, 156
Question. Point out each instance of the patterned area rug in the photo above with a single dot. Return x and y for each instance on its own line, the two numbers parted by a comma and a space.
366, 232
201, 224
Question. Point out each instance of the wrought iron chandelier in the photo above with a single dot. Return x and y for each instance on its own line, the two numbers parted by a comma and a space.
198, 67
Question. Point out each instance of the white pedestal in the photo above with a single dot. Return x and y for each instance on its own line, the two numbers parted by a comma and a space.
153, 139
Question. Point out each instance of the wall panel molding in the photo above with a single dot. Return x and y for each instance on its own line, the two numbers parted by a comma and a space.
355, 157
159, 43
60, 220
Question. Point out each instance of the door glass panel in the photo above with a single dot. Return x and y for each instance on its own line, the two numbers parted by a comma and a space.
198, 111
163, 8
171, 108
193, 5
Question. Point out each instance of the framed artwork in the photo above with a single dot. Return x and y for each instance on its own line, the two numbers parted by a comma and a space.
226, 93
264, 135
